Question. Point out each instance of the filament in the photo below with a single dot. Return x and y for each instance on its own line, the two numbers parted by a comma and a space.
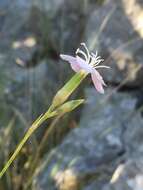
82, 53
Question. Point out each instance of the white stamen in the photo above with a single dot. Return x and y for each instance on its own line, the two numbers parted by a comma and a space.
92, 59
81, 52
102, 66
87, 51
94, 55
99, 57
97, 62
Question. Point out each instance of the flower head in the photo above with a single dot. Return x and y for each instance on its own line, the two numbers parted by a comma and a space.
89, 62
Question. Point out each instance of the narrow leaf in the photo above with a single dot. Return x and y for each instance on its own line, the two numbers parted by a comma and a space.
67, 89
68, 106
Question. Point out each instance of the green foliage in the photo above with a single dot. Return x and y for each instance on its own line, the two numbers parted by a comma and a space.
67, 90
58, 107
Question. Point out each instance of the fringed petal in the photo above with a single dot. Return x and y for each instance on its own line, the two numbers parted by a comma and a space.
73, 61
97, 81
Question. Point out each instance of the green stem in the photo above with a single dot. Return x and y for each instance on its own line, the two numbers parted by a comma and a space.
34, 126
39, 150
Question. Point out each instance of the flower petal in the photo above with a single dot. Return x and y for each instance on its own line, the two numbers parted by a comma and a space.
72, 60
84, 65
97, 81
99, 76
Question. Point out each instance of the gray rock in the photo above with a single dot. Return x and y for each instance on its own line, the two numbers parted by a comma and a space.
30, 91
89, 155
44, 22
32, 33
115, 29
128, 176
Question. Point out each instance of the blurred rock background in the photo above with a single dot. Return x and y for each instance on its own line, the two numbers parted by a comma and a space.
98, 146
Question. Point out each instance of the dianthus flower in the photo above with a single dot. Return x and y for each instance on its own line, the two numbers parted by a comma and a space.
89, 62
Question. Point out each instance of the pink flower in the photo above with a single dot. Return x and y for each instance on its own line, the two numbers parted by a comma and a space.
89, 63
